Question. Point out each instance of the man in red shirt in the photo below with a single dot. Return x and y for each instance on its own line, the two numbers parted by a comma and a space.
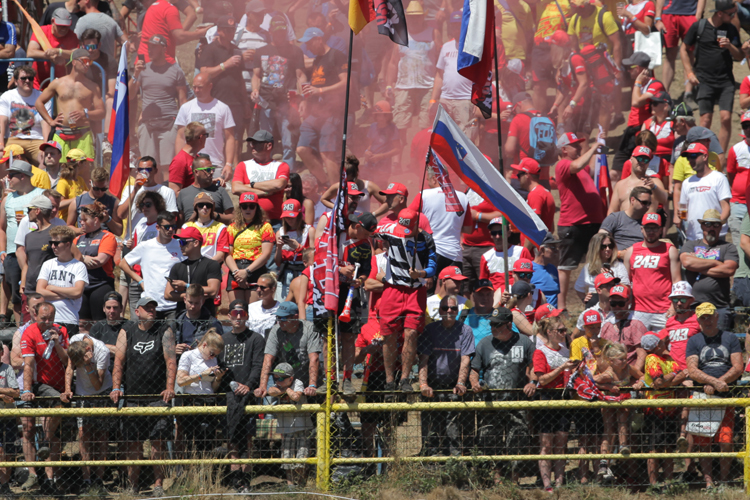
738, 174
63, 42
479, 242
396, 197
181, 167
581, 207
163, 18
645, 87
49, 380
539, 198
492, 263
683, 324
518, 143
266, 178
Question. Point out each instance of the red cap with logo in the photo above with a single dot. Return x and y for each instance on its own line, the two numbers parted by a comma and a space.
651, 218
592, 317
528, 165
695, 147
395, 188
291, 208
248, 198
452, 272
620, 291
546, 311
642, 151
605, 278
523, 266
353, 189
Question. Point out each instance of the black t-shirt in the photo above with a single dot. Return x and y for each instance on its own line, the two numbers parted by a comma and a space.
47, 16
38, 251
325, 72
713, 65
229, 86
103, 331
196, 271
705, 287
145, 366
243, 356
714, 353
279, 65
189, 331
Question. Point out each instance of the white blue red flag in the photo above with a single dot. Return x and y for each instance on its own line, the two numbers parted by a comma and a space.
601, 174
119, 129
476, 50
464, 158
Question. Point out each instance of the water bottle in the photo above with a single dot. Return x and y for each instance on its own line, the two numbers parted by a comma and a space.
48, 350
233, 385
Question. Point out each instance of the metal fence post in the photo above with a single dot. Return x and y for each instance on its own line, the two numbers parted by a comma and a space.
324, 419
747, 451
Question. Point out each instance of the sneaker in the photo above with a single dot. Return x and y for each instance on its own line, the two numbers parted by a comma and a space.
389, 387
550, 490
31, 482
682, 444
43, 452
348, 388
625, 451
47, 487
158, 492
406, 386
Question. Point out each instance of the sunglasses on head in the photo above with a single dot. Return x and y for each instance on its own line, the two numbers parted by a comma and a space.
711, 224
449, 308
617, 303
248, 206
610, 246
169, 227
525, 276
203, 205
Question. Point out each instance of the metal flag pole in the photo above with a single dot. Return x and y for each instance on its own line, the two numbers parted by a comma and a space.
500, 163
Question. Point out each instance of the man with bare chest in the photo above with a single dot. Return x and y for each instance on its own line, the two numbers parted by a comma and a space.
79, 103
639, 163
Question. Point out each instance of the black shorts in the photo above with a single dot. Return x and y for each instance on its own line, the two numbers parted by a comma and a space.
238, 425
541, 63
142, 428
103, 423
8, 432
574, 244
13, 277
589, 422
709, 96
552, 421
661, 431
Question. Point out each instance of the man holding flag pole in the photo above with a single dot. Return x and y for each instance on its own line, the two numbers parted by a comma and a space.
119, 134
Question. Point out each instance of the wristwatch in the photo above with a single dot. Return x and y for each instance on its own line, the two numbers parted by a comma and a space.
252, 184
572, 103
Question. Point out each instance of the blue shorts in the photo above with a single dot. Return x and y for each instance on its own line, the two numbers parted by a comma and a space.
323, 134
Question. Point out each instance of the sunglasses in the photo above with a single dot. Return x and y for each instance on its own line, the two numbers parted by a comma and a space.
55, 243
145, 170
692, 156
205, 169
99, 189
617, 303
26, 78
263, 287
147, 205
280, 378
525, 276
184, 242
680, 300
169, 227
643, 159
248, 206
13, 175
91, 46
237, 313
560, 330
203, 205
711, 224
643, 202
611, 246
449, 308
496, 233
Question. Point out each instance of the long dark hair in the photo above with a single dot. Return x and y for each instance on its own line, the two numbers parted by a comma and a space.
295, 181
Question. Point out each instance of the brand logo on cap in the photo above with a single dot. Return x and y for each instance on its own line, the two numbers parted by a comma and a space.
524, 265
572, 137
652, 217
591, 317
644, 149
617, 289
456, 271
404, 221
288, 207
495, 312
390, 186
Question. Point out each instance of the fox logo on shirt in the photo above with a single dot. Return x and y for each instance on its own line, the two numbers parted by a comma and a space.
144, 347
646, 261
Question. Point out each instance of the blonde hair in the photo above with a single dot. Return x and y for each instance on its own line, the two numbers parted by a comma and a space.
614, 350
213, 339
270, 277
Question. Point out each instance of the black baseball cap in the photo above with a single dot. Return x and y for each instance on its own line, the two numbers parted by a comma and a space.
366, 220
482, 284
501, 316
113, 296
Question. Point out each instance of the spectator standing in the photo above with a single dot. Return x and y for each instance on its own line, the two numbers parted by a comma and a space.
714, 359
653, 266
243, 357
223, 208
396, 198
709, 265
218, 121
492, 263
193, 269
675, 19
292, 239
8, 43
682, 169
639, 162
478, 317
449, 283
107, 329
263, 311
9, 392
147, 169
714, 58
705, 190
181, 167
70, 185
97, 193
684, 324
146, 362
194, 321
104, 24
523, 141
550, 18
738, 170
51, 154
264, 177
624, 226
741, 282
215, 235
601, 259
19, 119
35, 249
63, 41
479, 242
539, 198
581, 208
445, 350
546, 278
163, 18
162, 252
603, 283
624, 328
44, 378
39, 177
163, 91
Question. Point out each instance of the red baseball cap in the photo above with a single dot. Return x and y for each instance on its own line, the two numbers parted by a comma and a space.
546, 311
523, 266
248, 198
651, 218
620, 291
605, 278
395, 188
188, 233
695, 147
452, 272
353, 189
528, 165
662, 334
592, 317
642, 151
291, 208
569, 138
559, 38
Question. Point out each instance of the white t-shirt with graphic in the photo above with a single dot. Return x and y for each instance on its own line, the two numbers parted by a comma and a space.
65, 275
215, 116
24, 121
161, 258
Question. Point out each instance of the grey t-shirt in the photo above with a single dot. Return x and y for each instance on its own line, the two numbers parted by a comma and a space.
624, 229
744, 270
105, 25
445, 347
504, 363
294, 348
159, 86
8, 380
707, 288
187, 195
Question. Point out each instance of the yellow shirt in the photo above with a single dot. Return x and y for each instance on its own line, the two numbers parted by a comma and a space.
40, 178
683, 170
589, 32
550, 19
515, 29
70, 190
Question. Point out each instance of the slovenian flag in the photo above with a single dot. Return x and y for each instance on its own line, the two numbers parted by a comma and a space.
119, 129
464, 158
476, 50
601, 175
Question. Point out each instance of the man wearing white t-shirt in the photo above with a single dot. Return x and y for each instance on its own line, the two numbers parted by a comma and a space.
156, 257
62, 279
705, 190
450, 88
218, 121
19, 119
146, 166
446, 226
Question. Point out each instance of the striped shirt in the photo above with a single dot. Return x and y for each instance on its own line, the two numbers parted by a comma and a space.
401, 253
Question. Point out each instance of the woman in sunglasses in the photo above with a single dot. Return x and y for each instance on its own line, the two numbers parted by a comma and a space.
96, 248
98, 186
293, 237
601, 258
215, 234
251, 243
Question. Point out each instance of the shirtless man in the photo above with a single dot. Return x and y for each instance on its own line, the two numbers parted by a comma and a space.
639, 163
79, 102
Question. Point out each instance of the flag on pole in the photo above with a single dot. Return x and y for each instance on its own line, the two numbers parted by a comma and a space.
361, 12
465, 159
119, 129
452, 204
40, 36
388, 13
476, 51
601, 173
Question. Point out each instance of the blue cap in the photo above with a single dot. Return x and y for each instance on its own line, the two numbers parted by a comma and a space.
287, 309
311, 33
456, 17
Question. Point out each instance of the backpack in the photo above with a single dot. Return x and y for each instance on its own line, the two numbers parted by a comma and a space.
542, 138
599, 67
